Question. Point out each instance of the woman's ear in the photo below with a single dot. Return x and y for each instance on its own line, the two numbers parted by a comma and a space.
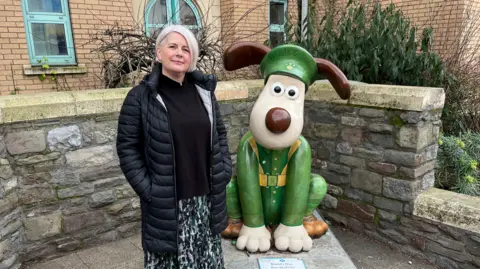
157, 54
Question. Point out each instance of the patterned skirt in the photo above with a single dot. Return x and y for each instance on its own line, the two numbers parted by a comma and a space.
197, 247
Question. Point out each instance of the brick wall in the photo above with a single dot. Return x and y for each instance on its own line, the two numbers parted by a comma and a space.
445, 17
87, 17
244, 20
472, 25
249, 19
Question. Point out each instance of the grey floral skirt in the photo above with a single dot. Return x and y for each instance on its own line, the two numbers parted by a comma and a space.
197, 247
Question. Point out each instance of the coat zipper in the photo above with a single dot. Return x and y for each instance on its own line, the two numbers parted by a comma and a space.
174, 181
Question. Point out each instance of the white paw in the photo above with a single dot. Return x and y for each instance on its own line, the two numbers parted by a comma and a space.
292, 238
254, 239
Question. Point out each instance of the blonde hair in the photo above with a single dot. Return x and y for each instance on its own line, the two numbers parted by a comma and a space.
189, 37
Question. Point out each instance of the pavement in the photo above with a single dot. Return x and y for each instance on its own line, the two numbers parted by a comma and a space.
365, 253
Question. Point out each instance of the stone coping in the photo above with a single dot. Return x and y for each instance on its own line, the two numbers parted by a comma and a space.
41, 106
458, 210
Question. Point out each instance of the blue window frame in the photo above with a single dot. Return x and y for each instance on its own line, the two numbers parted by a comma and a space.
277, 16
48, 31
159, 13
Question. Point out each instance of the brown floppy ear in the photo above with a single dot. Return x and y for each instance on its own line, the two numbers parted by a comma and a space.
244, 54
336, 77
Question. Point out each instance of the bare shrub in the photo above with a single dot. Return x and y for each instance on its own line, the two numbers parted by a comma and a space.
462, 88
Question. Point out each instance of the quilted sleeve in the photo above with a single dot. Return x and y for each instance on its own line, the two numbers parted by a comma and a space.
130, 145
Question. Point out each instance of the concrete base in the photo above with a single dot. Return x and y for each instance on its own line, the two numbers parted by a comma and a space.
327, 253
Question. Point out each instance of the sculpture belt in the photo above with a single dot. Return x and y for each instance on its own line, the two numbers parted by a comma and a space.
270, 180
273, 181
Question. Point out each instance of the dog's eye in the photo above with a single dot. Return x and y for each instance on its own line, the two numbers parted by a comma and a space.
277, 89
292, 92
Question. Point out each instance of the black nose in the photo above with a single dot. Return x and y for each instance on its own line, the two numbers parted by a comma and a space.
277, 120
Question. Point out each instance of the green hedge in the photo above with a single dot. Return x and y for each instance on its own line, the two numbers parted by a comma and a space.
457, 163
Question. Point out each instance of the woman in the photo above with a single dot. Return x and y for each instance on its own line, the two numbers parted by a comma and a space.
172, 146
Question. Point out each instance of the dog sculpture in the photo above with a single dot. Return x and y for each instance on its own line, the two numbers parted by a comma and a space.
274, 188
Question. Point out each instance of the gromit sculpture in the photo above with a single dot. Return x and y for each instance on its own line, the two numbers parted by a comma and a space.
274, 189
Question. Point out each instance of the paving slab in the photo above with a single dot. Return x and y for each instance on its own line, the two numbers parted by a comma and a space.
136, 240
118, 254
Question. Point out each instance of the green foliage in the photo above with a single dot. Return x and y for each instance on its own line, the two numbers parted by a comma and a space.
45, 69
457, 163
372, 44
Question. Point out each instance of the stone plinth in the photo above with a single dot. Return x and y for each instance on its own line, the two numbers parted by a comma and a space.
327, 253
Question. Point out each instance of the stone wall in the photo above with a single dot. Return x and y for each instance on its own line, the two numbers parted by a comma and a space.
62, 189
70, 190
11, 214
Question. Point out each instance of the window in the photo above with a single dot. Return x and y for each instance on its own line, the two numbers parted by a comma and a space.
276, 21
48, 31
160, 13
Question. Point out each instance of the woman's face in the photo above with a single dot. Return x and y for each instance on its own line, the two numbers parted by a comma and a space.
174, 54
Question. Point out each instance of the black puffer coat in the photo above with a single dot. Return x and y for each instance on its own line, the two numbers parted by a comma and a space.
146, 153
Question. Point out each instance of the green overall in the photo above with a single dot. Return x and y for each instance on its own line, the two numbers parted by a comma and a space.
273, 186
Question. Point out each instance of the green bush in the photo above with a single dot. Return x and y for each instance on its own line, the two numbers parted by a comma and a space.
371, 44
457, 163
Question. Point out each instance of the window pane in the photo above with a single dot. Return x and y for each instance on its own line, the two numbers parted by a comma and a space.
276, 38
50, 6
277, 13
158, 13
49, 39
187, 17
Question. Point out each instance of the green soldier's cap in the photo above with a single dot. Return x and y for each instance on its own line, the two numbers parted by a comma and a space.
290, 60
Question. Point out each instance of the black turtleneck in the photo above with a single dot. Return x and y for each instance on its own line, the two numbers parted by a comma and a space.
190, 126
